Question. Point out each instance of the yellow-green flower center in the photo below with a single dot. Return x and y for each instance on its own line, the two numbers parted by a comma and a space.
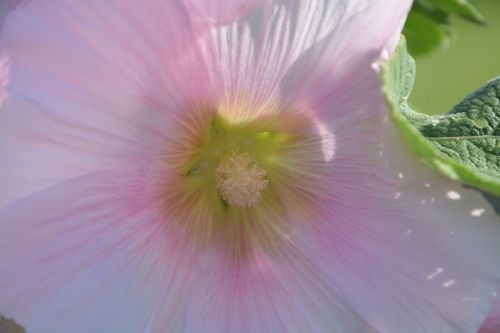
245, 180
235, 162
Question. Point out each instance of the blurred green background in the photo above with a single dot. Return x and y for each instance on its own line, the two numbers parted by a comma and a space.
446, 76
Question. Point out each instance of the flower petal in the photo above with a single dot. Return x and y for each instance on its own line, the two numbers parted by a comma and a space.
4, 78
283, 51
266, 292
93, 255
6, 6
250, 57
88, 92
39, 150
409, 249
492, 323
335, 67
219, 12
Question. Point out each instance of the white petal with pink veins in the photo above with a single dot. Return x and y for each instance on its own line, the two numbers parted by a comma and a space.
268, 292
93, 255
91, 86
215, 12
4, 78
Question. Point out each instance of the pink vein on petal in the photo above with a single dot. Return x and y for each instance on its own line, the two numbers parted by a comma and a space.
4, 77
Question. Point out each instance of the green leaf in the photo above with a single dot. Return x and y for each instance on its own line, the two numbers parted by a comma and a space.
424, 33
398, 75
460, 7
428, 25
470, 132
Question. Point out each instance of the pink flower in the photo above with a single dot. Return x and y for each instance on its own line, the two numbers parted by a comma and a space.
170, 166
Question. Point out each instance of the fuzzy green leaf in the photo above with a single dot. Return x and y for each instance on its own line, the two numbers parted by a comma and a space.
470, 132
398, 76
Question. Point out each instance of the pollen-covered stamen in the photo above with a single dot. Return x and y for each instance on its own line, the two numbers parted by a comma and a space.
240, 180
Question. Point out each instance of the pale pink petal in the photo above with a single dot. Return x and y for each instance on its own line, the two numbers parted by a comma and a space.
6, 6
410, 250
335, 68
4, 78
92, 85
288, 50
93, 255
249, 58
391, 227
219, 12
492, 323
278, 293
39, 150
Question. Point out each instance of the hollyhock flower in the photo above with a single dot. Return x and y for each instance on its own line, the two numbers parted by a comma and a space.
181, 166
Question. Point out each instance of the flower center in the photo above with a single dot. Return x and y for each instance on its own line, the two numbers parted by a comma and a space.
240, 180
